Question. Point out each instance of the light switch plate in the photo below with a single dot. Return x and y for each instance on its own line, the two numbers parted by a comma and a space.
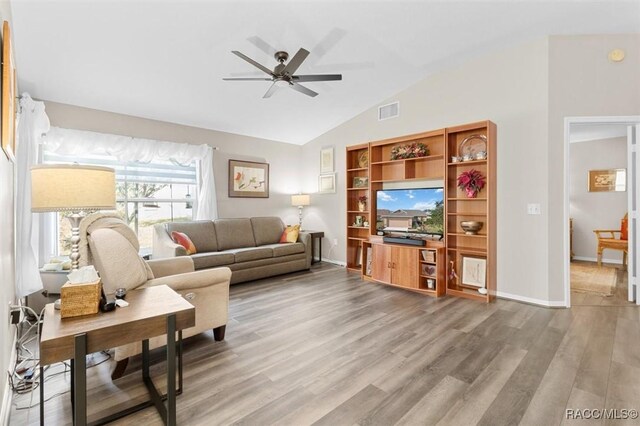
533, 208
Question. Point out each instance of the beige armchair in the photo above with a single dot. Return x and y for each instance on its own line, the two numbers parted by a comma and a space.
112, 247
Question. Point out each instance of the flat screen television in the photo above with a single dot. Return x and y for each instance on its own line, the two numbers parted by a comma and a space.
411, 211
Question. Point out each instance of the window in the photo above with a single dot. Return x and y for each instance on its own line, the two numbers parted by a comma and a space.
146, 194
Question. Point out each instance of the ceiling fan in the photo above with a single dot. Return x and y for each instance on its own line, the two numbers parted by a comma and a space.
284, 74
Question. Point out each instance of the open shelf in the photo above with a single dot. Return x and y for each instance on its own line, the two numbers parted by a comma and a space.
359, 169
462, 234
364, 188
467, 163
467, 293
358, 212
469, 250
466, 214
467, 199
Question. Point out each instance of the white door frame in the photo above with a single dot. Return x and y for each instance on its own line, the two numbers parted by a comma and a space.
630, 120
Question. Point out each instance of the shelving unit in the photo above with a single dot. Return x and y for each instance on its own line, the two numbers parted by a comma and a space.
356, 235
404, 266
459, 208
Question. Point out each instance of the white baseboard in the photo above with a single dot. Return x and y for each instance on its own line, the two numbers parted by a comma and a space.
7, 398
532, 301
595, 259
335, 262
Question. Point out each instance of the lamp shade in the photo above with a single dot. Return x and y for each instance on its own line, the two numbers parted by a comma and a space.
300, 200
63, 187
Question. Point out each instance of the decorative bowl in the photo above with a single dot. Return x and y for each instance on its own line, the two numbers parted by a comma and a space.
471, 227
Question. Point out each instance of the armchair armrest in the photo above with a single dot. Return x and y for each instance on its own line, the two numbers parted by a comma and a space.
611, 232
172, 266
163, 245
192, 280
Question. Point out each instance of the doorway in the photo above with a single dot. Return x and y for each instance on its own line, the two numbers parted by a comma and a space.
599, 152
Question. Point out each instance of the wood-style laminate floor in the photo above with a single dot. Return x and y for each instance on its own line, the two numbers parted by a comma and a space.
325, 348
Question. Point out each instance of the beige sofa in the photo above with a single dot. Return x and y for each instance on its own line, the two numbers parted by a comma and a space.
112, 247
249, 247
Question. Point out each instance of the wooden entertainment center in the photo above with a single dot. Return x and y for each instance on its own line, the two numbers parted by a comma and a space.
435, 269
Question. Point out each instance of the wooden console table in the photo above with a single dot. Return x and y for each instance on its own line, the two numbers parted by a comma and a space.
152, 311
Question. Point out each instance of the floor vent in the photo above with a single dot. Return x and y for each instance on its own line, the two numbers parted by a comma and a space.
388, 111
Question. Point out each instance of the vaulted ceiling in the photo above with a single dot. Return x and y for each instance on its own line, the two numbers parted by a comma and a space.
165, 60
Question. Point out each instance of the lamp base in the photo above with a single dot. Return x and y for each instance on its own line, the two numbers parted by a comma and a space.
300, 216
75, 219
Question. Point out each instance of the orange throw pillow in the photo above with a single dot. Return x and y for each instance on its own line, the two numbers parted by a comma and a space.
624, 229
184, 240
290, 234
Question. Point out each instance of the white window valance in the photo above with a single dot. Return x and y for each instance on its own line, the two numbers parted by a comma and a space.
79, 143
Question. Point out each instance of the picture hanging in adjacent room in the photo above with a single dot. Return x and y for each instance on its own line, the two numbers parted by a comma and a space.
326, 160
9, 93
474, 271
327, 183
248, 179
608, 180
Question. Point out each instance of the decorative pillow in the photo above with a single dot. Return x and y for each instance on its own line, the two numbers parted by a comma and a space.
182, 239
624, 229
290, 234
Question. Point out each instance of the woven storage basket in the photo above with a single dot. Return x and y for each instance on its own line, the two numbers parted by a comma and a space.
80, 299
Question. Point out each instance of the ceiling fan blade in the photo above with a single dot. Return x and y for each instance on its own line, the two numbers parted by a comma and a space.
295, 62
271, 91
246, 79
252, 62
317, 77
300, 88
262, 45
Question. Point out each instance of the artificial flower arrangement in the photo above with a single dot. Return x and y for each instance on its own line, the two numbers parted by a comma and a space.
471, 182
362, 203
413, 150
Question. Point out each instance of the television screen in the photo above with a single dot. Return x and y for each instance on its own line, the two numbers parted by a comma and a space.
419, 211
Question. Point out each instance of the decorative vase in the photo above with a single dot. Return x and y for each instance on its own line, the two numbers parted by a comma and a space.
362, 206
471, 193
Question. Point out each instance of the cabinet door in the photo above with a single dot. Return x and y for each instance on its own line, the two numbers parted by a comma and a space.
404, 262
381, 263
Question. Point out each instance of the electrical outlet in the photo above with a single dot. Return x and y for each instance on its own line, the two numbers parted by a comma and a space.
335, 242
533, 209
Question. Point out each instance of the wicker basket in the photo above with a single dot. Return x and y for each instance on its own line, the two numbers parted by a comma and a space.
80, 299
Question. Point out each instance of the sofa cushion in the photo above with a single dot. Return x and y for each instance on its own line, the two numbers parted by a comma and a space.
251, 253
234, 233
267, 230
212, 260
265, 262
285, 249
184, 240
201, 232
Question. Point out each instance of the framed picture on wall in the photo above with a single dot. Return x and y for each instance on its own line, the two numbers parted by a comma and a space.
326, 160
9, 93
327, 183
248, 179
608, 180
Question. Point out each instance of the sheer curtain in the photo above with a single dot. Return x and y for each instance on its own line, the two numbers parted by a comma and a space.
124, 148
32, 123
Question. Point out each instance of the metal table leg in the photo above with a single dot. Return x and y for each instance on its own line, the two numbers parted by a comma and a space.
80, 380
171, 370
41, 395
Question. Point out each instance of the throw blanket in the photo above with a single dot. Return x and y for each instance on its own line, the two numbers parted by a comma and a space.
100, 220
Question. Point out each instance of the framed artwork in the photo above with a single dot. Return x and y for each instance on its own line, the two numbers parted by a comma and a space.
327, 183
474, 271
9, 91
248, 179
326, 160
360, 182
608, 180
363, 159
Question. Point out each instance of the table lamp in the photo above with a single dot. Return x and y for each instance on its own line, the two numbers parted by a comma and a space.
74, 188
300, 200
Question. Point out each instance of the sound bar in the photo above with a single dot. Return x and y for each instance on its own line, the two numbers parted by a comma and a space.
404, 240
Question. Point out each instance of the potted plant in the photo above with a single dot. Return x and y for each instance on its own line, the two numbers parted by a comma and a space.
471, 182
362, 203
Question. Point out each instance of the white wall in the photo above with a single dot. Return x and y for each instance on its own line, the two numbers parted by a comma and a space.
595, 210
7, 251
283, 158
582, 82
508, 87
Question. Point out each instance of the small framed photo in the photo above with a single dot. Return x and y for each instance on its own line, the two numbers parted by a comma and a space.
474, 271
326, 160
327, 183
608, 180
360, 182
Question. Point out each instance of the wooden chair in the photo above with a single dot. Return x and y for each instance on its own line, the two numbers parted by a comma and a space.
607, 240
